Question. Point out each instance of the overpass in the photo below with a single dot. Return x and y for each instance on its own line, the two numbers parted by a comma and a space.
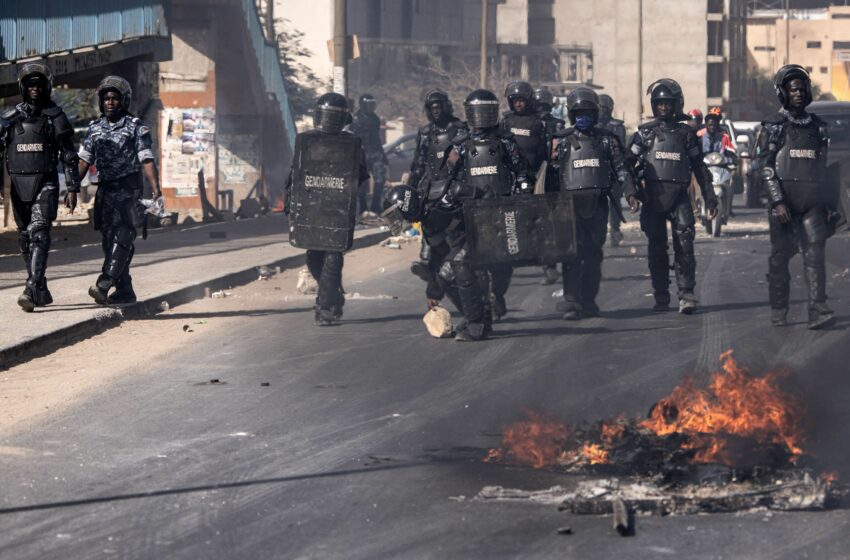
205, 75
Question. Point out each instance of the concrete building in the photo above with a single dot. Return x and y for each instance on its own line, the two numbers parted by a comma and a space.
818, 39
701, 45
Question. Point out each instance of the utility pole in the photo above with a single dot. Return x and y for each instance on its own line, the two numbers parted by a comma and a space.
340, 75
787, 31
640, 61
484, 27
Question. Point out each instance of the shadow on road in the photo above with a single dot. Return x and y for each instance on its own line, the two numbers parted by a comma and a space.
205, 488
235, 313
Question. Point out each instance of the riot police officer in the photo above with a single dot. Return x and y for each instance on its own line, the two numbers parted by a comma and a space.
618, 127
529, 132
414, 206
490, 164
668, 153
543, 101
36, 136
321, 196
793, 147
367, 126
429, 172
119, 144
590, 161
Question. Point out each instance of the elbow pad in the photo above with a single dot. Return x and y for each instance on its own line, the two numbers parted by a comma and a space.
772, 186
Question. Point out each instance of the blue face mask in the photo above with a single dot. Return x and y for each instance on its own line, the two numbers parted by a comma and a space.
584, 122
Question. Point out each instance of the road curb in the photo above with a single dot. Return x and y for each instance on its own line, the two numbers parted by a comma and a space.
109, 318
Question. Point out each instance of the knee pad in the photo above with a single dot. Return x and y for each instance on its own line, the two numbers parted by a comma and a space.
814, 255
446, 274
686, 233
333, 261
124, 236
41, 239
815, 227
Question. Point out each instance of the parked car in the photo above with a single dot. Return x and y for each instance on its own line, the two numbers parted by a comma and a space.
399, 156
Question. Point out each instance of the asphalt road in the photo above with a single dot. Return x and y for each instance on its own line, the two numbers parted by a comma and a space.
367, 430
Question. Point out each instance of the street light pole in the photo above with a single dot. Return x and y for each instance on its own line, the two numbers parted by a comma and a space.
640, 61
787, 31
340, 73
484, 26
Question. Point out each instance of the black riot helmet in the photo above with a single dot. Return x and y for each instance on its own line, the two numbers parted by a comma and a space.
606, 102
519, 89
34, 70
786, 74
368, 103
117, 84
437, 96
666, 89
482, 109
544, 98
582, 99
407, 200
330, 114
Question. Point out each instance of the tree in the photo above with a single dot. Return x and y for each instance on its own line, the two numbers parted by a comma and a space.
401, 96
301, 82
78, 104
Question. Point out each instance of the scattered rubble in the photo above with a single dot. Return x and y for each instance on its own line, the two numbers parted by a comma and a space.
306, 285
221, 294
438, 321
265, 272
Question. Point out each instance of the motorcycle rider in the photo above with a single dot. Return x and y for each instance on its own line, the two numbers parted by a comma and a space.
590, 160
793, 147
429, 172
330, 115
35, 136
523, 121
714, 139
618, 128
696, 119
489, 164
544, 101
668, 153
366, 125
119, 144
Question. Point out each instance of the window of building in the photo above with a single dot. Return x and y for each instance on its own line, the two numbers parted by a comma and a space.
764, 48
840, 16
824, 69
715, 6
809, 69
812, 44
841, 44
715, 38
571, 74
714, 79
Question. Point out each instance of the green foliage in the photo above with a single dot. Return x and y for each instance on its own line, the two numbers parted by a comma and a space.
301, 82
78, 104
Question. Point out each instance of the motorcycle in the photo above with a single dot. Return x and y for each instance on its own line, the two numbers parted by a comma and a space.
721, 176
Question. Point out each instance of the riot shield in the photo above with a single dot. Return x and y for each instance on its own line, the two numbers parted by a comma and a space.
521, 230
325, 179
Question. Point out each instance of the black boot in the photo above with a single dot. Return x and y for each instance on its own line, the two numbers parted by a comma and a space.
26, 300
42, 295
820, 315
778, 291
123, 293
572, 310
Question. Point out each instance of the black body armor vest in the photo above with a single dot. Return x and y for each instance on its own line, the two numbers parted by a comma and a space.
530, 135
32, 148
667, 156
485, 172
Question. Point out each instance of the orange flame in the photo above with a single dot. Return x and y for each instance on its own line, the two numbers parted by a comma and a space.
535, 442
735, 404
594, 454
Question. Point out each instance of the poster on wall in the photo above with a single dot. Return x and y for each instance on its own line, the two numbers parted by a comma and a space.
188, 145
238, 157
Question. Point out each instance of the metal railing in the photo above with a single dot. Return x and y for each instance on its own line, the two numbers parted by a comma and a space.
268, 59
30, 28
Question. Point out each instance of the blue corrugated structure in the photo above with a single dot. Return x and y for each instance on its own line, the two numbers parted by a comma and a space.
36, 28
269, 61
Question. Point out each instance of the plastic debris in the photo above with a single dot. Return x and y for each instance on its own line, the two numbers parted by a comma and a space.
221, 294
265, 272
306, 283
